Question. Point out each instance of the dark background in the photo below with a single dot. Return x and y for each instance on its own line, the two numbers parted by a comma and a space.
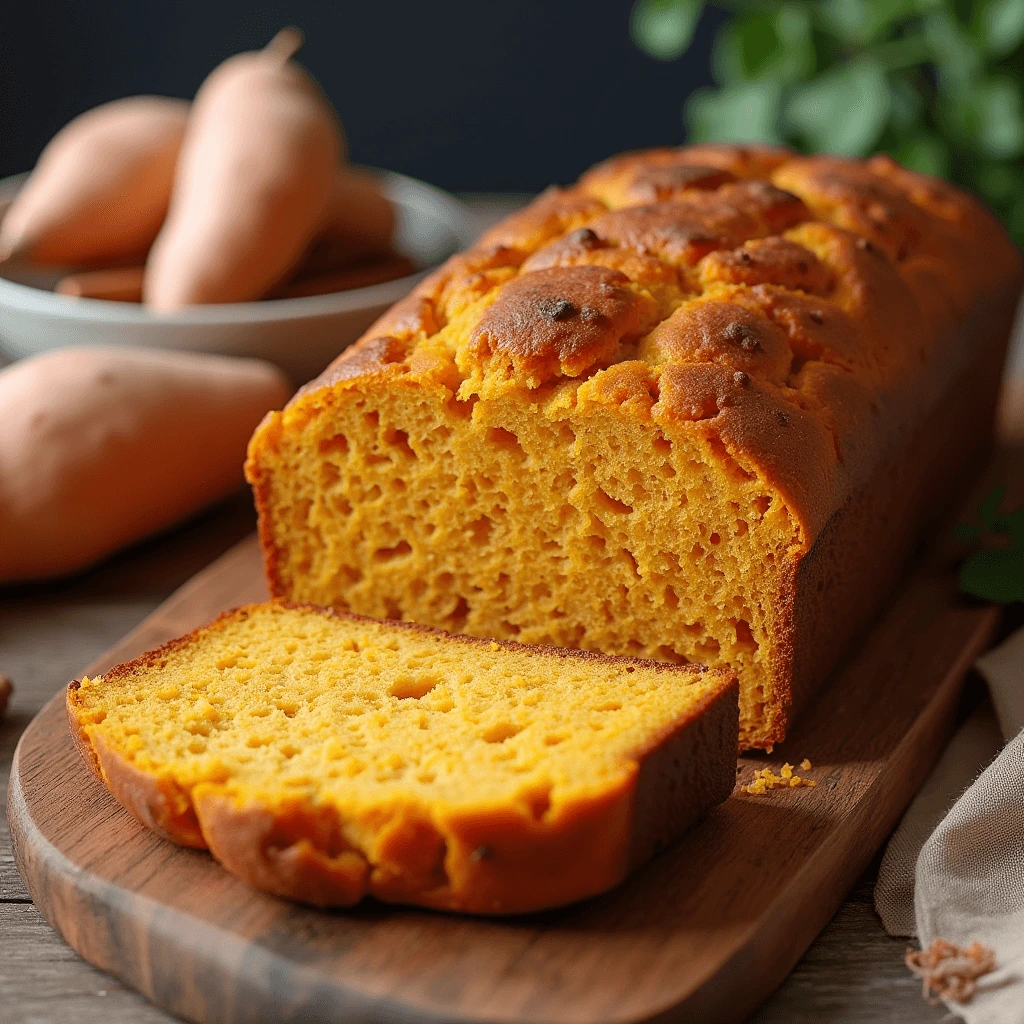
479, 95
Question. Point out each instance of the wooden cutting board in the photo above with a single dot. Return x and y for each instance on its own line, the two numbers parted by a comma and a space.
705, 932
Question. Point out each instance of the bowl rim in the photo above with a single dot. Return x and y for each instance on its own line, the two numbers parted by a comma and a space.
28, 299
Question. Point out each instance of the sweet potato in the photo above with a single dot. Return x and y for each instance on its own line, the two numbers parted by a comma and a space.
257, 173
101, 187
358, 275
117, 284
124, 284
102, 447
360, 223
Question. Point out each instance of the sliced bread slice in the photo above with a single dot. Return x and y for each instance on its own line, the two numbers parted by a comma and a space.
323, 756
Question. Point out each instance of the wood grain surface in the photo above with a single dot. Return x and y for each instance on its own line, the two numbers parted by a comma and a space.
707, 930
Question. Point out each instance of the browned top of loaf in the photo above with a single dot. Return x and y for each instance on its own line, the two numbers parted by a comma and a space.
806, 310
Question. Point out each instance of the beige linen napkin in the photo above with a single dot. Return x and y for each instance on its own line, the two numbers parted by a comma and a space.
955, 866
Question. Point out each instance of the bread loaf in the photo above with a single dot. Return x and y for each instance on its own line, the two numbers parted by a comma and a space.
324, 757
697, 407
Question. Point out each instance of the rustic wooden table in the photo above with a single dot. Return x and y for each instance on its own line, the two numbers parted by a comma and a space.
852, 973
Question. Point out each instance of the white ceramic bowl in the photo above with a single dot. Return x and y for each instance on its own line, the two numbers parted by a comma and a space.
301, 335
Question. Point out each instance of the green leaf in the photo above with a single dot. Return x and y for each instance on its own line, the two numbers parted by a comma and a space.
736, 113
989, 510
664, 28
906, 104
999, 117
998, 182
988, 117
966, 532
963, 10
1000, 25
765, 44
793, 27
1012, 525
996, 571
844, 110
743, 47
860, 22
958, 60
995, 574
924, 152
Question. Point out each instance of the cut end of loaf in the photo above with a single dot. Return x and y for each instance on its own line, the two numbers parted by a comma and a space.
325, 757
560, 518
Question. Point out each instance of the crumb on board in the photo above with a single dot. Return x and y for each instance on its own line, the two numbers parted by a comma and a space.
6, 689
766, 780
950, 972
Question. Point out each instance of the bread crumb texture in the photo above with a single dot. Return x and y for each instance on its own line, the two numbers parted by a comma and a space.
323, 757
621, 420
765, 780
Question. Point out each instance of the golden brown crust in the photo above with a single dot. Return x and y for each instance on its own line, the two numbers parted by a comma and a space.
677, 779
712, 331
885, 516
682, 231
583, 248
560, 322
773, 260
499, 861
78, 737
620, 178
656, 184
549, 216
159, 803
297, 853
489, 860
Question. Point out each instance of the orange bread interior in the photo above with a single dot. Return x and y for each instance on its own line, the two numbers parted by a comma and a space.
324, 756
552, 520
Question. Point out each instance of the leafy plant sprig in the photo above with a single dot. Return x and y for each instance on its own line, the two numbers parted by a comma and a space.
995, 571
935, 83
